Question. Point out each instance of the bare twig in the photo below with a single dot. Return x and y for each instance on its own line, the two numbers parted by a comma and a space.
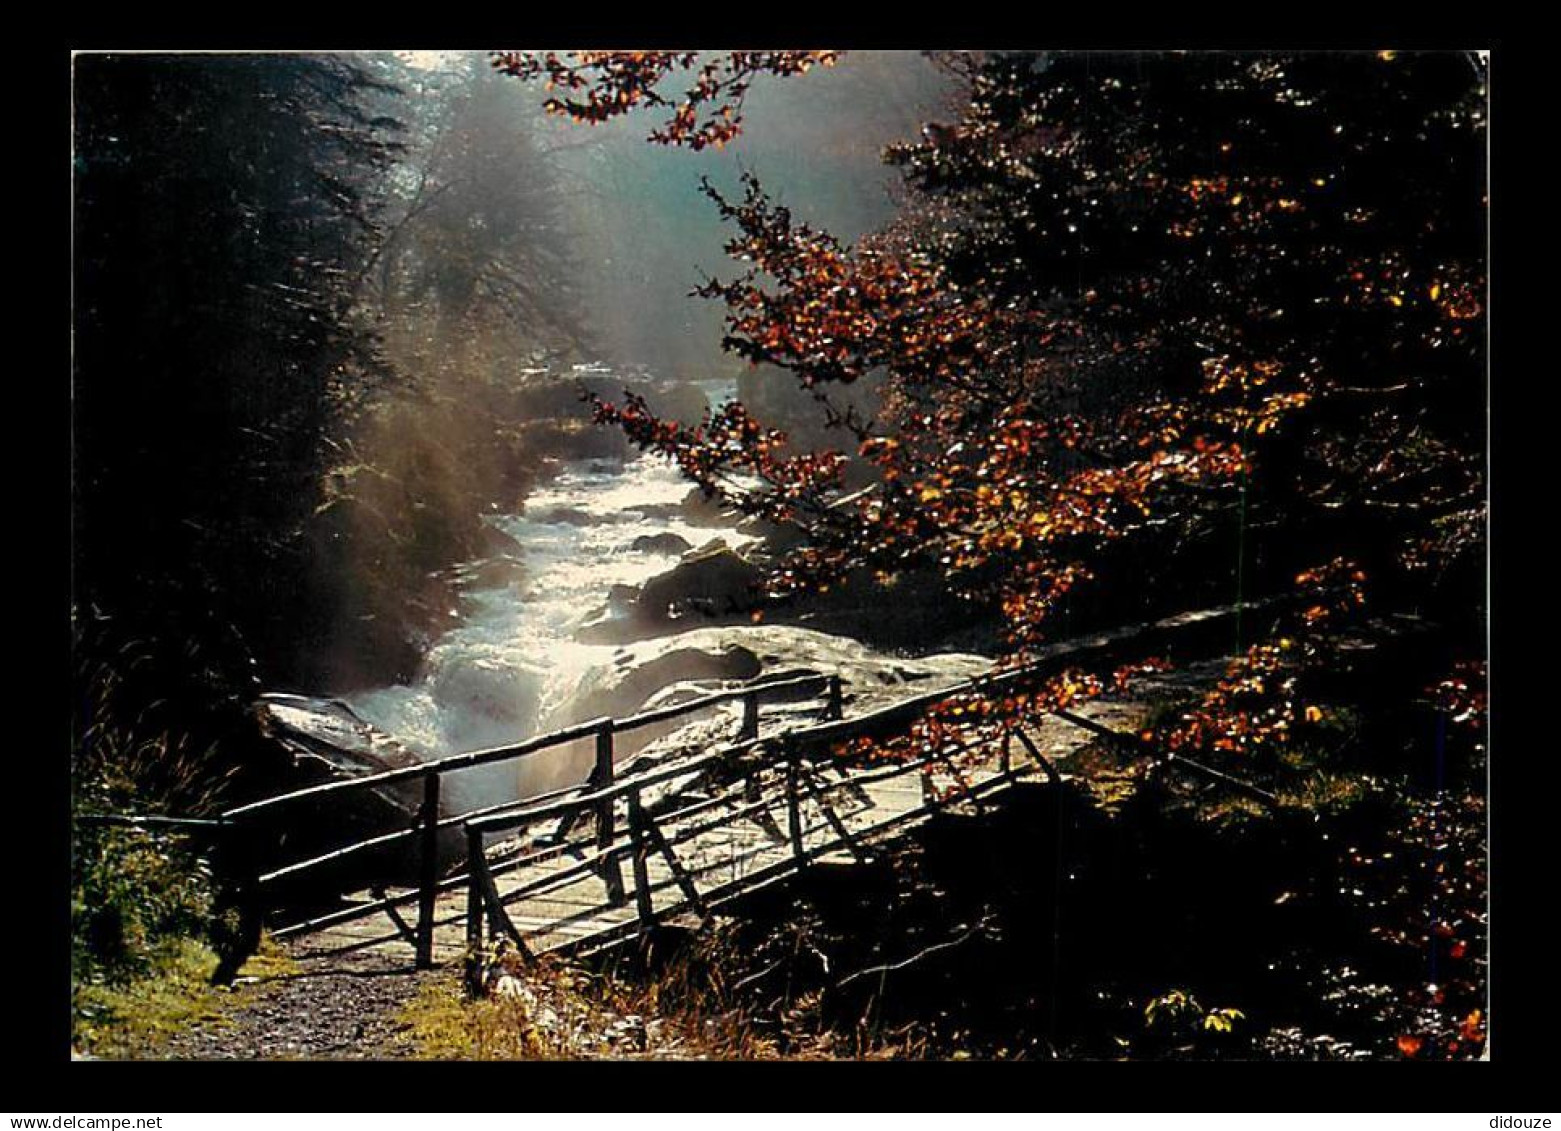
918, 956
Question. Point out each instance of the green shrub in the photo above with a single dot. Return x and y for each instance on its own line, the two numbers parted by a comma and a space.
142, 900
133, 892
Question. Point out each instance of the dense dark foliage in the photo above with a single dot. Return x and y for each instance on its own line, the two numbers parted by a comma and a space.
223, 205
1249, 239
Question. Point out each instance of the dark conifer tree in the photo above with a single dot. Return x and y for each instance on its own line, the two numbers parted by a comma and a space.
223, 206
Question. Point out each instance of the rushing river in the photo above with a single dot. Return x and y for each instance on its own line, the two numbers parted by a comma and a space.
514, 661
512, 667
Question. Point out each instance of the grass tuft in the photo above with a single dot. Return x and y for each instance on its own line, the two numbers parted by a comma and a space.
133, 1018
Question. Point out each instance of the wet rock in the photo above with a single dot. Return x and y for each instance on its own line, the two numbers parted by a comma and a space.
713, 581
496, 541
651, 672
713, 584
494, 573
328, 741
573, 516
622, 689
777, 539
616, 622
622, 597
702, 511
695, 509
664, 543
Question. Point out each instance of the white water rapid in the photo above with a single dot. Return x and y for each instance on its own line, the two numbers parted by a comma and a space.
514, 660
512, 668
512, 663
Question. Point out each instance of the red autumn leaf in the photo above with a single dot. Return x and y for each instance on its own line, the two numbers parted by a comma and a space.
1473, 1028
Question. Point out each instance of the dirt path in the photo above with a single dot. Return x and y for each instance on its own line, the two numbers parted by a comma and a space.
347, 1011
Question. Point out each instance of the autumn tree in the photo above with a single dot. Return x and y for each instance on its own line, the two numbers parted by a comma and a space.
596, 86
1158, 331
1180, 328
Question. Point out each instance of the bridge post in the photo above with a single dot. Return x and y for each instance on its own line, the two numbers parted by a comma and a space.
428, 880
640, 861
835, 709
612, 868
473, 913
239, 865
750, 727
794, 804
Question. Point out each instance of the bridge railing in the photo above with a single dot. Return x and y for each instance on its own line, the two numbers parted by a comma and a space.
243, 821
802, 757
240, 829
801, 752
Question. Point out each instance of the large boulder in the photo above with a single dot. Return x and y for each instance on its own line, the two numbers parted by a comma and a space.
776, 538
714, 584
652, 673
663, 543
328, 742
618, 621
638, 673
700, 509
711, 582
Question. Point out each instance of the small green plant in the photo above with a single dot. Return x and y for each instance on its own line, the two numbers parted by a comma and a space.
1176, 1024
131, 1014
142, 899
137, 895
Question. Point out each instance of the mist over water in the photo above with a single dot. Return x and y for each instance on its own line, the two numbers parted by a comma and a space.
646, 236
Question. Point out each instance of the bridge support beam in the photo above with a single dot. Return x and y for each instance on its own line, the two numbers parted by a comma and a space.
794, 805
750, 725
473, 913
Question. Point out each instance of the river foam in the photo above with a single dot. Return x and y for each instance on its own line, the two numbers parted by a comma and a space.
513, 662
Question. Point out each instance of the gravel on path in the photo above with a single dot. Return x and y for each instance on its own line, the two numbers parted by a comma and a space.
348, 1010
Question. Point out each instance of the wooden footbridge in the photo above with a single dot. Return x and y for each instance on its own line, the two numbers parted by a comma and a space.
671, 833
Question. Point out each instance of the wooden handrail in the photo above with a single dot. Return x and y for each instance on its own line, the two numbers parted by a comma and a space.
437, 766
531, 815
835, 731
715, 698
152, 821
579, 797
533, 745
